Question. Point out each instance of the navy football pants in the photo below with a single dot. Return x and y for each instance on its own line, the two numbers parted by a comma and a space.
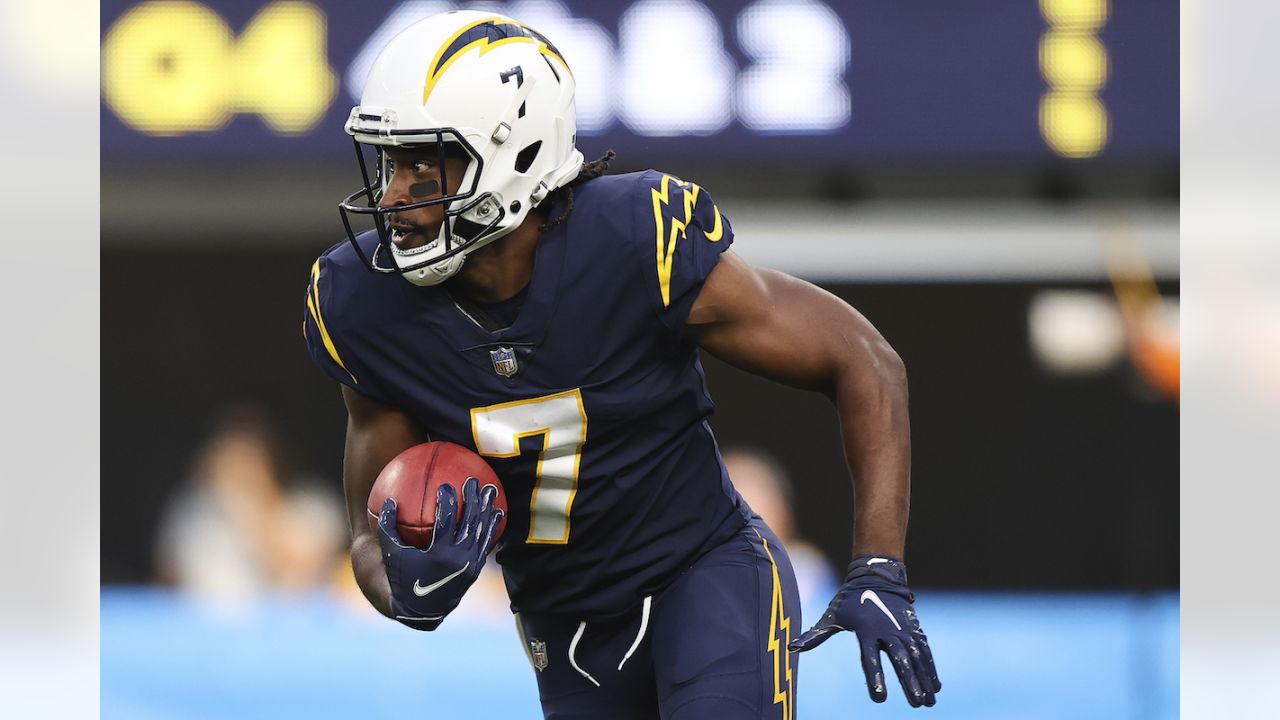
713, 644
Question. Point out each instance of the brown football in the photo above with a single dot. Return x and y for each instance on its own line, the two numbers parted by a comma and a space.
412, 479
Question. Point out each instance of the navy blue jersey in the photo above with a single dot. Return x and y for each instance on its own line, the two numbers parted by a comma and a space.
591, 407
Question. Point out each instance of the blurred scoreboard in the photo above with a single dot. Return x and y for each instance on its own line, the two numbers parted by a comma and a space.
762, 81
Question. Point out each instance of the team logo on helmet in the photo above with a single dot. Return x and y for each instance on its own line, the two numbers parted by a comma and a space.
504, 361
488, 34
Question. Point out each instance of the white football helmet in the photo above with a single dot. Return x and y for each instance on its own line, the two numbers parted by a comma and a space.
488, 86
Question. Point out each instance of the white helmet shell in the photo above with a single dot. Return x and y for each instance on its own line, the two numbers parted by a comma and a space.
505, 92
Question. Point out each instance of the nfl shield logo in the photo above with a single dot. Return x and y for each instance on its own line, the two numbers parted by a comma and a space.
538, 653
504, 361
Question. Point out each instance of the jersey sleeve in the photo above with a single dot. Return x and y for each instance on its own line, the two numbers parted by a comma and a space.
323, 337
685, 232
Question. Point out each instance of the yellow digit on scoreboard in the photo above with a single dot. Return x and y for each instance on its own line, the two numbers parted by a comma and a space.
1073, 120
282, 71
173, 67
164, 68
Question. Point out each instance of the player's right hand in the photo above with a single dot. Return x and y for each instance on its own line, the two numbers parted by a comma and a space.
426, 585
876, 604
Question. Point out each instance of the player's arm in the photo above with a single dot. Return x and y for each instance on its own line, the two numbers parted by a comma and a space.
788, 330
417, 587
376, 433
785, 329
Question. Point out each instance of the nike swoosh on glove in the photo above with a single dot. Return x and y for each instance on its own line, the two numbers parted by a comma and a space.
876, 604
426, 585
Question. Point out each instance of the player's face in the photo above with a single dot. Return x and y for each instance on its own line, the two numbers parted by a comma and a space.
413, 175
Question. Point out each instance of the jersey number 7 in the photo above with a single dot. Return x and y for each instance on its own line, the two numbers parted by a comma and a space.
562, 422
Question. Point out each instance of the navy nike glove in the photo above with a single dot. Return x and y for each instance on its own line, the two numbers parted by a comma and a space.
875, 603
426, 585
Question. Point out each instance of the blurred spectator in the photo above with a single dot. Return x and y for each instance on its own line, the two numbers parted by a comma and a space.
764, 484
237, 530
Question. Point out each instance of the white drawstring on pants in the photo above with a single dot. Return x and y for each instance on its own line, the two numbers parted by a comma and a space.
582, 628
644, 624
573, 647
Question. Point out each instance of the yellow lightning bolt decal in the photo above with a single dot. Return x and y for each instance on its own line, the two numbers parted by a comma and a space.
666, 241
690, 202
718, 231
666, 250
485, 44
778, 620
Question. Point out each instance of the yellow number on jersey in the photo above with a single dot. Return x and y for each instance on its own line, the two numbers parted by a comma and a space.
562, 421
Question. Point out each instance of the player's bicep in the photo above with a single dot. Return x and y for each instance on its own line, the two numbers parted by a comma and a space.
376, 433
775, 325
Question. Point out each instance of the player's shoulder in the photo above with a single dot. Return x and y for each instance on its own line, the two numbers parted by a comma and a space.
651, 226
342, 283
635, 204
339, 302
638, 187
341, 258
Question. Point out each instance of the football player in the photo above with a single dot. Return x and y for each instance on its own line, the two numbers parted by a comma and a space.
518, 301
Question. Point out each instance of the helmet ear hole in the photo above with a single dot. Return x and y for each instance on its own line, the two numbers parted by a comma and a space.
525, 158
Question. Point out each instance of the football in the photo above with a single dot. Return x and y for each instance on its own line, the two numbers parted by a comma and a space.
412, 479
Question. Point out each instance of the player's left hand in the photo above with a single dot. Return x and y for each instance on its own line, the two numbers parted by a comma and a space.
876, 604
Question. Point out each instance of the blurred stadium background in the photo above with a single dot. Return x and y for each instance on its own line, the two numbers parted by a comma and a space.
995, 185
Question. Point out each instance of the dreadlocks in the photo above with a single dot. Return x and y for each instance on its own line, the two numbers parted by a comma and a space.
590, 171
